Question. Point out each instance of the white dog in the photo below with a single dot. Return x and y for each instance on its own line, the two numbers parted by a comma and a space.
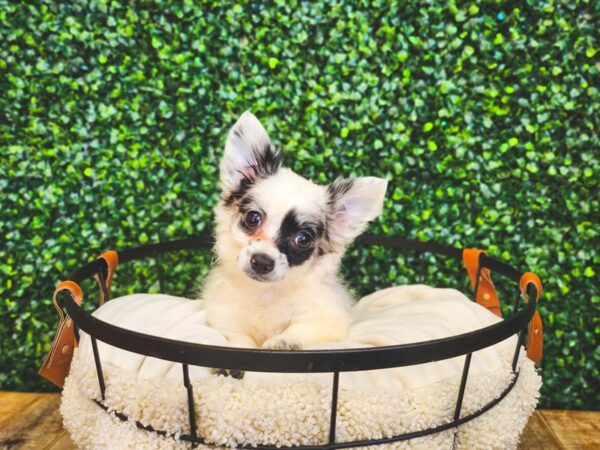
279, 242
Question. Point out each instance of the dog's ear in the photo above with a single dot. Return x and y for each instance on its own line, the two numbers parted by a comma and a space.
352, 203
249, 153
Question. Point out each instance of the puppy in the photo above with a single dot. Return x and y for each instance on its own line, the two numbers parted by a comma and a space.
279, 242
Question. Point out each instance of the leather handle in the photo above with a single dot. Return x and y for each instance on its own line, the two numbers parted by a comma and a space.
535, 330
57, 363
75, 291
530, 278
486, 291
111, 259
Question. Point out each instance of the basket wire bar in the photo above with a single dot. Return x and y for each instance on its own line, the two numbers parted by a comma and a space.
190, 399
518, 349
467, 364
422, 267
102, 277
334, 361
516, 302
99, 371
159, 272
334, 400
463, 386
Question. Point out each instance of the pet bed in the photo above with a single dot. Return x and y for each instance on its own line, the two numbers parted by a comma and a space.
444, 372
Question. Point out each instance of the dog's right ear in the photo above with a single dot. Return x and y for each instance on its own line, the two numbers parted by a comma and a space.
249, 154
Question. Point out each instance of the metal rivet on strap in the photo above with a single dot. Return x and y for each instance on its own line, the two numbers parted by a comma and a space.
65, 350
486, 296
536, 331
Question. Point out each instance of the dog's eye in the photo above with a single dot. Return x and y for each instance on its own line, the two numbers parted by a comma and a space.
253, 219
302, 240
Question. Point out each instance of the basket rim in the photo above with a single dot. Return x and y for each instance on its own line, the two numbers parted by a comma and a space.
301, 361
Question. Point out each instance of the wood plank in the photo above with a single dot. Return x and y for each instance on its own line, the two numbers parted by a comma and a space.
10, 402
29, 421
537, 435
576, 430
63, 442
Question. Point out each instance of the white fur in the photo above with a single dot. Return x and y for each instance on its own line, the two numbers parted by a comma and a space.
355, 208
295, 306
237, 159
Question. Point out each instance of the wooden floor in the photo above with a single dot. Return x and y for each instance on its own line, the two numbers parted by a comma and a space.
32, 421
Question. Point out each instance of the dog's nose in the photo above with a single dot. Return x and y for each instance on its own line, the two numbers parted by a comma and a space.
261, 263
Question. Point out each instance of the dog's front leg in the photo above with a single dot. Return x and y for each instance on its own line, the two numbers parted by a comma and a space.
239, 340
298, 335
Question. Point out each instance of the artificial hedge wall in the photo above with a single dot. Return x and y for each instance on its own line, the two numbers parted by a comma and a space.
483, 117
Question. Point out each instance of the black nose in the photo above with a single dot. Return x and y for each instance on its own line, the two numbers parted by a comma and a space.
261, 263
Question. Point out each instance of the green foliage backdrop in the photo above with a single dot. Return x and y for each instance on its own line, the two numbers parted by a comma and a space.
483, 117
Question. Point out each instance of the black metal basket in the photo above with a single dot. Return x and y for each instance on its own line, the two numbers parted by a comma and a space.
334, 361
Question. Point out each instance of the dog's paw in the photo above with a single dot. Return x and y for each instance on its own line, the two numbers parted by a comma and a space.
277, 343
237, 374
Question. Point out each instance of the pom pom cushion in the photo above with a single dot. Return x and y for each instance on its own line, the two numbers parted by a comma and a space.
293, 409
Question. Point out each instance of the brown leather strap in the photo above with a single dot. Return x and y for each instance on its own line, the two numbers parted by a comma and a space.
111, 258
75, 291
528, 278
486, 292
58, 361
535, 335
535, 339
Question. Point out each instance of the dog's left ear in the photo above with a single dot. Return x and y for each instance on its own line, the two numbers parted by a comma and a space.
352, 203
249, 153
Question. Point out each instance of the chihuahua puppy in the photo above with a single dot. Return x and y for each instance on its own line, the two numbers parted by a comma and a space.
279, 242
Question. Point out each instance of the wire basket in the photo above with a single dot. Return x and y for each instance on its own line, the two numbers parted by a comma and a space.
315, 361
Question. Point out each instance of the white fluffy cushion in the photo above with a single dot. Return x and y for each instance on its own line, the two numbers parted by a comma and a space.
293, 409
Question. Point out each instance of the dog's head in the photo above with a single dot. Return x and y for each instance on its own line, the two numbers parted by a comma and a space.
271, 223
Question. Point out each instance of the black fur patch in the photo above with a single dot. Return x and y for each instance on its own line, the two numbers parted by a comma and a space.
290, 226
246, 204
266, 162
239, 193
